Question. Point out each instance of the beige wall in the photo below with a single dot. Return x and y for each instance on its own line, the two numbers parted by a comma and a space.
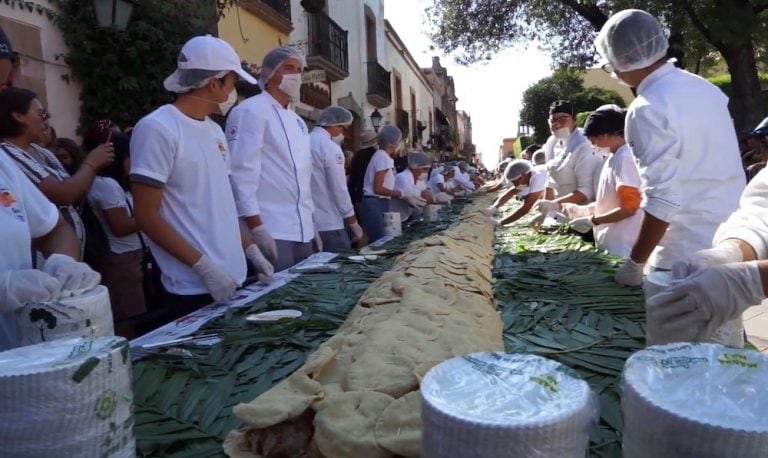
38, 42
257, 37
596, 77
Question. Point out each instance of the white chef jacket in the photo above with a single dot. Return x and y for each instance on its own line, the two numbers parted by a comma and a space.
750, 221
405, 184
25, 214
272, 167
537, 182
329, 182
619, 170
681, 133
463, 180
574, 166
436, 178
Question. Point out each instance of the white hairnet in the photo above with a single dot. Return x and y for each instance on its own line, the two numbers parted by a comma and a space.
335, 116
184, 80
274, 59
462, 165
539, 157
501, 166
389, 136
418, 159
516, 169
631, 40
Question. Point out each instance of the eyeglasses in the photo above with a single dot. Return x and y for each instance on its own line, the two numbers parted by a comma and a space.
558, 119
607, 68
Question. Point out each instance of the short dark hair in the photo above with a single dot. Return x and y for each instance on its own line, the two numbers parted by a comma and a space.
14, 100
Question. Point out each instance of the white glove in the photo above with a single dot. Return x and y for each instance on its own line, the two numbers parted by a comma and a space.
265, 242
219, 283
630, 273
264, 269
538, 220
573, 211
493, 221
582, 225
547, 206
20, 287
357, 232
414, 199
318, 242
490, 211
692, 309
724, 253
443, 198
75, 277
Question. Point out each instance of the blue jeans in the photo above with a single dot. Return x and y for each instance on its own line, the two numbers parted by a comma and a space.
372, 211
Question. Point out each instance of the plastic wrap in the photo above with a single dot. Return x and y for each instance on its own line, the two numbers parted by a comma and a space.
505, 405
695, 400
86, 315
67, 398
392, 224
730, 334
430, 212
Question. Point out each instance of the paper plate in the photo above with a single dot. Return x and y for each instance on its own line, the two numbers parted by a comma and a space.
363, 258
272, 316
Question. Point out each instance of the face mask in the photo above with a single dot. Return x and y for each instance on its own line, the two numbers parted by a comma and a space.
227, 105
562, 133
338, 139
603, 151
291, 85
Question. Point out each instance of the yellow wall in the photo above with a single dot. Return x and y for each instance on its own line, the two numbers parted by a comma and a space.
596, 77
260, 37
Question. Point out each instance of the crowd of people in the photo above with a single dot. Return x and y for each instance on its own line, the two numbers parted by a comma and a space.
199, 196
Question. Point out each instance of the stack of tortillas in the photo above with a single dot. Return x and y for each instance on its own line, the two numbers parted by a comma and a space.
695, 400
86, 315
505, 406
67, 398
358, 394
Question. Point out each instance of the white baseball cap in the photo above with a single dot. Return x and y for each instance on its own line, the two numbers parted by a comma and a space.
206, 53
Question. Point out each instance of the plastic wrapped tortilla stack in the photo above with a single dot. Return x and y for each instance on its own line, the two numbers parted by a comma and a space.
503, 406
392, 224
67, 398
695, 400
85, 315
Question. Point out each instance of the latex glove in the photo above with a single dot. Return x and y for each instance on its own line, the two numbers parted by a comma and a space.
573, 211
490, 211
692, 309
415, 201
493, 222
265, 242
443, 198
218, 282
357, 232
558, 217
724, 253
75, 277
537, 221
318, 242
582, 225
547, 206
20, 287
264, 269
630, 273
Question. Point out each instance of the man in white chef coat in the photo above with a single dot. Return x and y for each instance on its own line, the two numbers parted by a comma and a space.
682, 136
272, 163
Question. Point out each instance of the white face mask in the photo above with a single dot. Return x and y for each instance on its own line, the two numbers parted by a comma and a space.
291, 85
603, 151
562, 133
227, 105
338, 139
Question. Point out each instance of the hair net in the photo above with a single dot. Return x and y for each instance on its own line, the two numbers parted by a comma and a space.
389, 136
539, 157
185, 79
274, 59
418, 159
501, 166
335, 116
516, 169
604, 121
631, 40
463, 165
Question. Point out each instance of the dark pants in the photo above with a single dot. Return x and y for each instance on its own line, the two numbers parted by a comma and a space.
172, 307
372, 211
291, 253
335, 241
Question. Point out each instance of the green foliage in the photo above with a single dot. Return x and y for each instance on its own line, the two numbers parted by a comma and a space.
121, 72
723, 82
564, 84
581, 118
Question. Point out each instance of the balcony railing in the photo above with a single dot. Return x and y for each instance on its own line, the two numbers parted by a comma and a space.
402, 122
275, 12
379, 86
328, 47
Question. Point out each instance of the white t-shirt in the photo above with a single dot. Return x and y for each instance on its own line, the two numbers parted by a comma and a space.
380, 161
25, 214
538, 182
106, 194
619, 170
189, 159
435, 180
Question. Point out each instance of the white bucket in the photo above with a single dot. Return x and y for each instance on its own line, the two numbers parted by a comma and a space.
392, 224
430, 212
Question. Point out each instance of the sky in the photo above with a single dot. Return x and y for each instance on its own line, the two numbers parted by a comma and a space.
490, 93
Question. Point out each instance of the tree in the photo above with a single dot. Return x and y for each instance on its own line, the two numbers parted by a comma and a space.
474, 30
564, 84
